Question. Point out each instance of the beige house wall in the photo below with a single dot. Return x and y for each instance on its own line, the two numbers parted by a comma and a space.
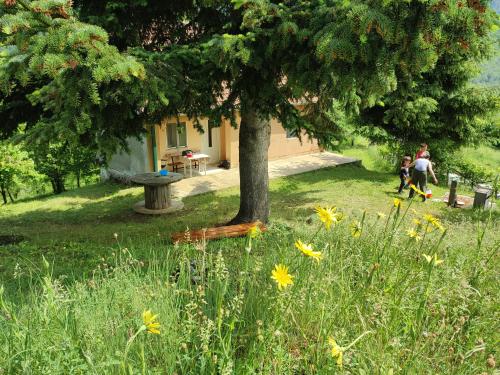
280, 146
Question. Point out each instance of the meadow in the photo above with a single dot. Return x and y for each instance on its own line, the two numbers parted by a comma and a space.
391, 287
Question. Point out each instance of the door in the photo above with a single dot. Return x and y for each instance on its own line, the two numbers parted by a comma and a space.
211, 142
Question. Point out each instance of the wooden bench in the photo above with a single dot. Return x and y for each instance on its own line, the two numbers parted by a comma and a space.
228, 231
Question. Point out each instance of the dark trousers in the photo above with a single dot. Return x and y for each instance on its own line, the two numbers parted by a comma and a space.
419, 179
402, 185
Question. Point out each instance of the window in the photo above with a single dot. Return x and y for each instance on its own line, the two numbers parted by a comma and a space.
176, 135
291, 133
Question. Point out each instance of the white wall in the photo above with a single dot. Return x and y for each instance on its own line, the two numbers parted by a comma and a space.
124, 165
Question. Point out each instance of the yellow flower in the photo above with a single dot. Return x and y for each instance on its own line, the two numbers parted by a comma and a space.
381, 215
337, 351
417, 190
254, 231
397, 202
281, 276
430, 219
434, 221
428, 258
356, 229
412, 233
417, 222
308, 250
150, 322
327, 215
434, 260
339, 216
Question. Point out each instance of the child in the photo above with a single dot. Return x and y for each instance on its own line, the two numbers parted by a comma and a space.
404, 173
420, 152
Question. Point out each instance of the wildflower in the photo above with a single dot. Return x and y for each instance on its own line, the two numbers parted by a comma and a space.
434, 221
337, 351
434, 260
356, 229
307, 250
254, 231
339, 216
412, 233
115, 235
417, 222
397, 202
327, 215
281, 276
381, 215
152, 326
430, 219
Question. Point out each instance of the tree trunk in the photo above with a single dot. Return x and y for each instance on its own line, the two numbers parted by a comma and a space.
254, 139
4, 194
10, 196
78, 179
58, 184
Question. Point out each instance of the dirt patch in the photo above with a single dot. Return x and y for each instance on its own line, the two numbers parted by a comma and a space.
10, 239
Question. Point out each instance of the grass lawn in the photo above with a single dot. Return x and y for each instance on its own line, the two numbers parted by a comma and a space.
219, 309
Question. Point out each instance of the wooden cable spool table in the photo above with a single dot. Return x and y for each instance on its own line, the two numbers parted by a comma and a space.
157, 193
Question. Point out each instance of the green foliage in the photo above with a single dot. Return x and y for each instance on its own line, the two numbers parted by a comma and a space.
402, 65
473, 173
16, 170
57, 160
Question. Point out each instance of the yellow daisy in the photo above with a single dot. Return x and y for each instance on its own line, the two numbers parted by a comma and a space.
433, 259
430, 219
434, 221
412, 233
417, 222
281, 276
356, 228
150, 322
337, 351
307, 250
327, 215
254, 231
397, 202
381, 215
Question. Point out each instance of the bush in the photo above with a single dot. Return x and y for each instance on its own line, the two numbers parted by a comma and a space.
472, 173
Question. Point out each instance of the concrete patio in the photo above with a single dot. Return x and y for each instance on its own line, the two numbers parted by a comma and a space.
217, 179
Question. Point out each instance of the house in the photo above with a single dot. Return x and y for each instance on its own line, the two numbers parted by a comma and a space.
156, 150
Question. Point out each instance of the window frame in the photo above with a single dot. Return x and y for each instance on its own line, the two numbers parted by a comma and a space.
291, 134
177, 140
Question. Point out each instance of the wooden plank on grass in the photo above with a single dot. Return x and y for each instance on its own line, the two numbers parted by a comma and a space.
228, 231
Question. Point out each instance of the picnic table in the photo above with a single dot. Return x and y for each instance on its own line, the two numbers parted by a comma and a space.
195, 157
157, 193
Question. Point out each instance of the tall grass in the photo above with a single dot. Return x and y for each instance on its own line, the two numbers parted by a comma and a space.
374, 299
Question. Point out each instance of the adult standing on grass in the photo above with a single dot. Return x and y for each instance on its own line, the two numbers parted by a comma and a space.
422, 165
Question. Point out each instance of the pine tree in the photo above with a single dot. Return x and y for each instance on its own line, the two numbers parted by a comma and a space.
393, 63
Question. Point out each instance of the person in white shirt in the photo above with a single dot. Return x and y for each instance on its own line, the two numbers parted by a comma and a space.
422, 165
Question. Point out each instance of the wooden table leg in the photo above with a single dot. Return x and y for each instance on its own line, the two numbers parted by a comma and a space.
157, 197
205, 160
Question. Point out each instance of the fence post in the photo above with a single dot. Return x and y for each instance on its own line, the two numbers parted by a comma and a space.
452, 197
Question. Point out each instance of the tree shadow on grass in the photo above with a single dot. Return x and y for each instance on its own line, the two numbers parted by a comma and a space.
343, 173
